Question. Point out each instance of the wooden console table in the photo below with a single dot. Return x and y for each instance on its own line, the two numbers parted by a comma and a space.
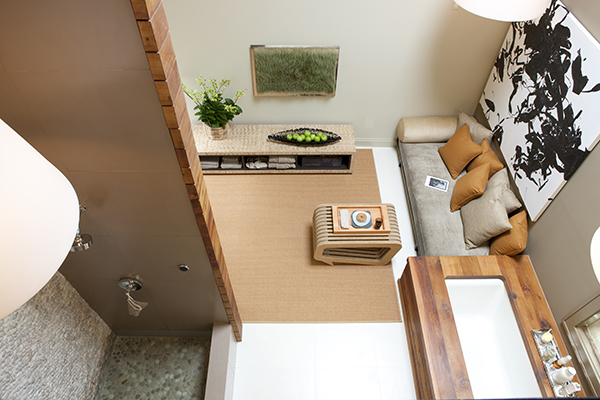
251, 140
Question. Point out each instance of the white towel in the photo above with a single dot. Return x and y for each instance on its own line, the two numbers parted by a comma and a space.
209, 165
231, 166
287, 160
281, 165
231, 162
256, 162
232, 159
282, 159
209, 162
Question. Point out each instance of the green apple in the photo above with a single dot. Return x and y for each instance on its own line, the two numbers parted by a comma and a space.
290, 137
300, 138
317, 139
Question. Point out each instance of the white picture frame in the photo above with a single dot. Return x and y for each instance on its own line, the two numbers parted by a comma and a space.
436, 183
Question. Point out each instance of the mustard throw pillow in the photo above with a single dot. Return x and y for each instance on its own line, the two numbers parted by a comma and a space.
513, 241
470, 186
487, 156
459, 151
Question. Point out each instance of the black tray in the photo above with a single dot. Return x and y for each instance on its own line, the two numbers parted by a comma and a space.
281, 137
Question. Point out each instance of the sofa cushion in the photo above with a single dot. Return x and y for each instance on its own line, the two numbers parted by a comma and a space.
437, 231
426, 129
513, 241
459, 151
469, 186
478, 131
484, 218
487, 156
508, 198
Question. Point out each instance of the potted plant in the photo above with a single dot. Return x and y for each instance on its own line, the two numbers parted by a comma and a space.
213, 109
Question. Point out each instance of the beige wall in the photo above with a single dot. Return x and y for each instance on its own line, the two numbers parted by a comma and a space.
559, 242
397, 58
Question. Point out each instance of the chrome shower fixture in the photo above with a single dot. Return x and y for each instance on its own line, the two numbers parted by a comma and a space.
82, 241
131, 285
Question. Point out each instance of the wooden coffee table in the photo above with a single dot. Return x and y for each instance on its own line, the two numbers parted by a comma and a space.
356, 244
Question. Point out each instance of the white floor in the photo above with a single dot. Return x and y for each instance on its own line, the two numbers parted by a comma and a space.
333, 361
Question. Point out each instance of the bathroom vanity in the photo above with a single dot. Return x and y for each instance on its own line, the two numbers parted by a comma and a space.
469, 323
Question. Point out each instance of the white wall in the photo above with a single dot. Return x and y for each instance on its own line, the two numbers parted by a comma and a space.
397, 57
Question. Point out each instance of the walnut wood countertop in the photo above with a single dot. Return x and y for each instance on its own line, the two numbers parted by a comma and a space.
438, 365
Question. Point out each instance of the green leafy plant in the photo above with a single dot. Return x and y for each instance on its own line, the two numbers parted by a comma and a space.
213, 109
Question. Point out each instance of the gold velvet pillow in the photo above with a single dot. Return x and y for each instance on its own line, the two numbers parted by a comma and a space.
487, 156
470, 186
459, 151
513, 241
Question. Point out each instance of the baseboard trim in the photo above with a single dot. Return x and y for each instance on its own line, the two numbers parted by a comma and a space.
374, 142
221, 364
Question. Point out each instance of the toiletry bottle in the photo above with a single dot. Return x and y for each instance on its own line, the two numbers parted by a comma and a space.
563, 375
546, 337
561, 362
548, 355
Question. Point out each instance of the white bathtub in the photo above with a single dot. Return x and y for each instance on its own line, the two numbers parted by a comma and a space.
493, 349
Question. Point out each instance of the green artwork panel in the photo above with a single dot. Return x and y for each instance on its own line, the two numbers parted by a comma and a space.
294, 71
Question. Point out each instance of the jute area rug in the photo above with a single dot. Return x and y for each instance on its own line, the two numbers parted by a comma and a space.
265, 226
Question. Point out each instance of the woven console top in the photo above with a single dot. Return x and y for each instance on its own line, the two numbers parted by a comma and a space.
252, 140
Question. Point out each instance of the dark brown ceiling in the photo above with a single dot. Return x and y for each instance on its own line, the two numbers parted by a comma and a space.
75, 83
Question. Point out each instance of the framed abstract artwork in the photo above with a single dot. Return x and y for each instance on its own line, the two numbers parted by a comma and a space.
294, 70
542, 101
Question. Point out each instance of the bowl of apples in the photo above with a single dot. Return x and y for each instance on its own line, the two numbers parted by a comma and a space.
305, 137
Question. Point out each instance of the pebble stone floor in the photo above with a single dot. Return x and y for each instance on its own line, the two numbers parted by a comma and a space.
153, 368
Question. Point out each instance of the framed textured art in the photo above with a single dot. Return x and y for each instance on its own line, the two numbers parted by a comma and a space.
294, 70
542, 101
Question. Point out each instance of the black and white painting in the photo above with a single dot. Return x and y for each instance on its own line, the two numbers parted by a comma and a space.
542, 101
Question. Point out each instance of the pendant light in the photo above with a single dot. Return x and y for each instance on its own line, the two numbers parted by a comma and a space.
595, 253
506, 10
39, 215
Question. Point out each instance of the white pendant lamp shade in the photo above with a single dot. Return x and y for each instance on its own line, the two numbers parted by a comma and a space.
506, 10
595, 253
39, 216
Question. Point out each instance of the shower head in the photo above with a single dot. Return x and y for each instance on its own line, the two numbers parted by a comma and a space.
130, 284
82, 242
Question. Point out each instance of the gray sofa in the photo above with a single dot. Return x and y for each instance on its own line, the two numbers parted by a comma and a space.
437, 231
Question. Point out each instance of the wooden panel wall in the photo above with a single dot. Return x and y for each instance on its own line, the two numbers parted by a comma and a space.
154, 30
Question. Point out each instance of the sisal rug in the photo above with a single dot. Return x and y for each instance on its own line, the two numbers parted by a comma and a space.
265, 226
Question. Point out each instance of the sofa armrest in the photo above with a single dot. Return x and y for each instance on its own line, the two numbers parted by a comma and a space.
426, 129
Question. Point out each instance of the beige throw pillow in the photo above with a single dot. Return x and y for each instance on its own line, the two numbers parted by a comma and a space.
469, 186
459, 151
478, 131
508, 198
484, 218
